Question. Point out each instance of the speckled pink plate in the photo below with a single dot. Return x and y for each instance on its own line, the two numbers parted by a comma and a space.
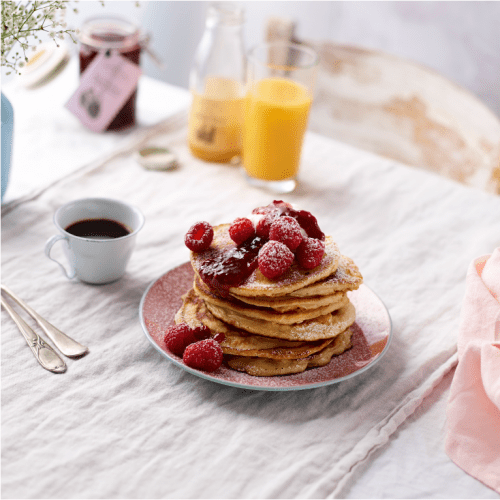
371, 338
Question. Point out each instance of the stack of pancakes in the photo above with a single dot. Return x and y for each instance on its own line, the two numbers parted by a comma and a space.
281, 326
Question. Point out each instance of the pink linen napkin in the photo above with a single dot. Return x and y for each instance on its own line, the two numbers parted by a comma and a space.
473, 412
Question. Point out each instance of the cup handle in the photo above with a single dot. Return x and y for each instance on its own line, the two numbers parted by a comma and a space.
48, 247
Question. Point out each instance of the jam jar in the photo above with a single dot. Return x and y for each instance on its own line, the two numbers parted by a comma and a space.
103, 34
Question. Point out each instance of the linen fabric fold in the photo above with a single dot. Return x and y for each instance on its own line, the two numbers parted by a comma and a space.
124, 422
473, 412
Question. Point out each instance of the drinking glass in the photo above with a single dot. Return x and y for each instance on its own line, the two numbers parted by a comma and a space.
280, 84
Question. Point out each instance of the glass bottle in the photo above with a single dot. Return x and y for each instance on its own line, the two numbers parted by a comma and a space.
217, 82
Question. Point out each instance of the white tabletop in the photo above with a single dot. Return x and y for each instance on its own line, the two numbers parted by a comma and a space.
124, 422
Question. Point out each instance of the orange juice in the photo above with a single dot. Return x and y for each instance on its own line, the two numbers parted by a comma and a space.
276, 111
216, 120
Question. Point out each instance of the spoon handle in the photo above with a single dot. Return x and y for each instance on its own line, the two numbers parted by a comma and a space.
44, 354
65, 344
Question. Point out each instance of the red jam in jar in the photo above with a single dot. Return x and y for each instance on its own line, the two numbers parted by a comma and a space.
101, 34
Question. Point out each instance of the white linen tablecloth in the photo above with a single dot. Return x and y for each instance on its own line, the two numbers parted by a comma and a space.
124, 422
49, 141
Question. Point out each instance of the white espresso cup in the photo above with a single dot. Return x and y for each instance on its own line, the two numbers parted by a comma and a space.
99, 235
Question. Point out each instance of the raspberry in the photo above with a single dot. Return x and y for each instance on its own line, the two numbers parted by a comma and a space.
274, 259
199, 237
241, 229
286, 230
271, 208
202, 332
263, 226
204, 355
279, 206
220, 337
270, 213
310, 252
283, 206
306, 220
178, 337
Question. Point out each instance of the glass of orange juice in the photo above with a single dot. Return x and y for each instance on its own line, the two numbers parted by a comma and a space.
279, 92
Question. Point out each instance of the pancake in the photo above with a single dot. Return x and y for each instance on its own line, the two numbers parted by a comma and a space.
260, 367
323, 327
237, 342
346, 277
257, 284
272, 327
290, 303
286, 318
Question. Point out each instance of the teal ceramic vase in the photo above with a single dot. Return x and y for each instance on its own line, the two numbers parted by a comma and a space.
7, 136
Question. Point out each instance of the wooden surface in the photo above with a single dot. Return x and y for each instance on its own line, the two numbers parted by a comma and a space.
404, 111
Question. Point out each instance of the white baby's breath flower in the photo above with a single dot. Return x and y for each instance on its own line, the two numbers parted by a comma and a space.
22, 21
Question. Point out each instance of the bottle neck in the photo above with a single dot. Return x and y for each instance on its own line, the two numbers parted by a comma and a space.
231, 33
220, 54
224, 14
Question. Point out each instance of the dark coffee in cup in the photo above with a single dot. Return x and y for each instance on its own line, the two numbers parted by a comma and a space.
98, 229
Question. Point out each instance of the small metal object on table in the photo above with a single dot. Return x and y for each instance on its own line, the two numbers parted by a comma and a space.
65, 344
44, 354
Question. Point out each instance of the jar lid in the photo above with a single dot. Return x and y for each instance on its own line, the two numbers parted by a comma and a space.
156, 158
44, 64
109, 33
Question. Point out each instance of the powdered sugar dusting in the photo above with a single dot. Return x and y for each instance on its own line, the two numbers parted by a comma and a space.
255, 218
371, 336
294, 278
274, 259
286, 230
295, 274
347, 272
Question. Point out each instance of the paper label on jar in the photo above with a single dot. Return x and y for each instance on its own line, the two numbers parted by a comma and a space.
215, 124
105, 86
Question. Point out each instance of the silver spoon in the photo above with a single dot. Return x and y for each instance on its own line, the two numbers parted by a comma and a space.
44, 354
65, 344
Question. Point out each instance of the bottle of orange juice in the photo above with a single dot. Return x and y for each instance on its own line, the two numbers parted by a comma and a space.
217, 82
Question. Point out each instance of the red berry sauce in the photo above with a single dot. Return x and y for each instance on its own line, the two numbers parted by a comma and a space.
232, 268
